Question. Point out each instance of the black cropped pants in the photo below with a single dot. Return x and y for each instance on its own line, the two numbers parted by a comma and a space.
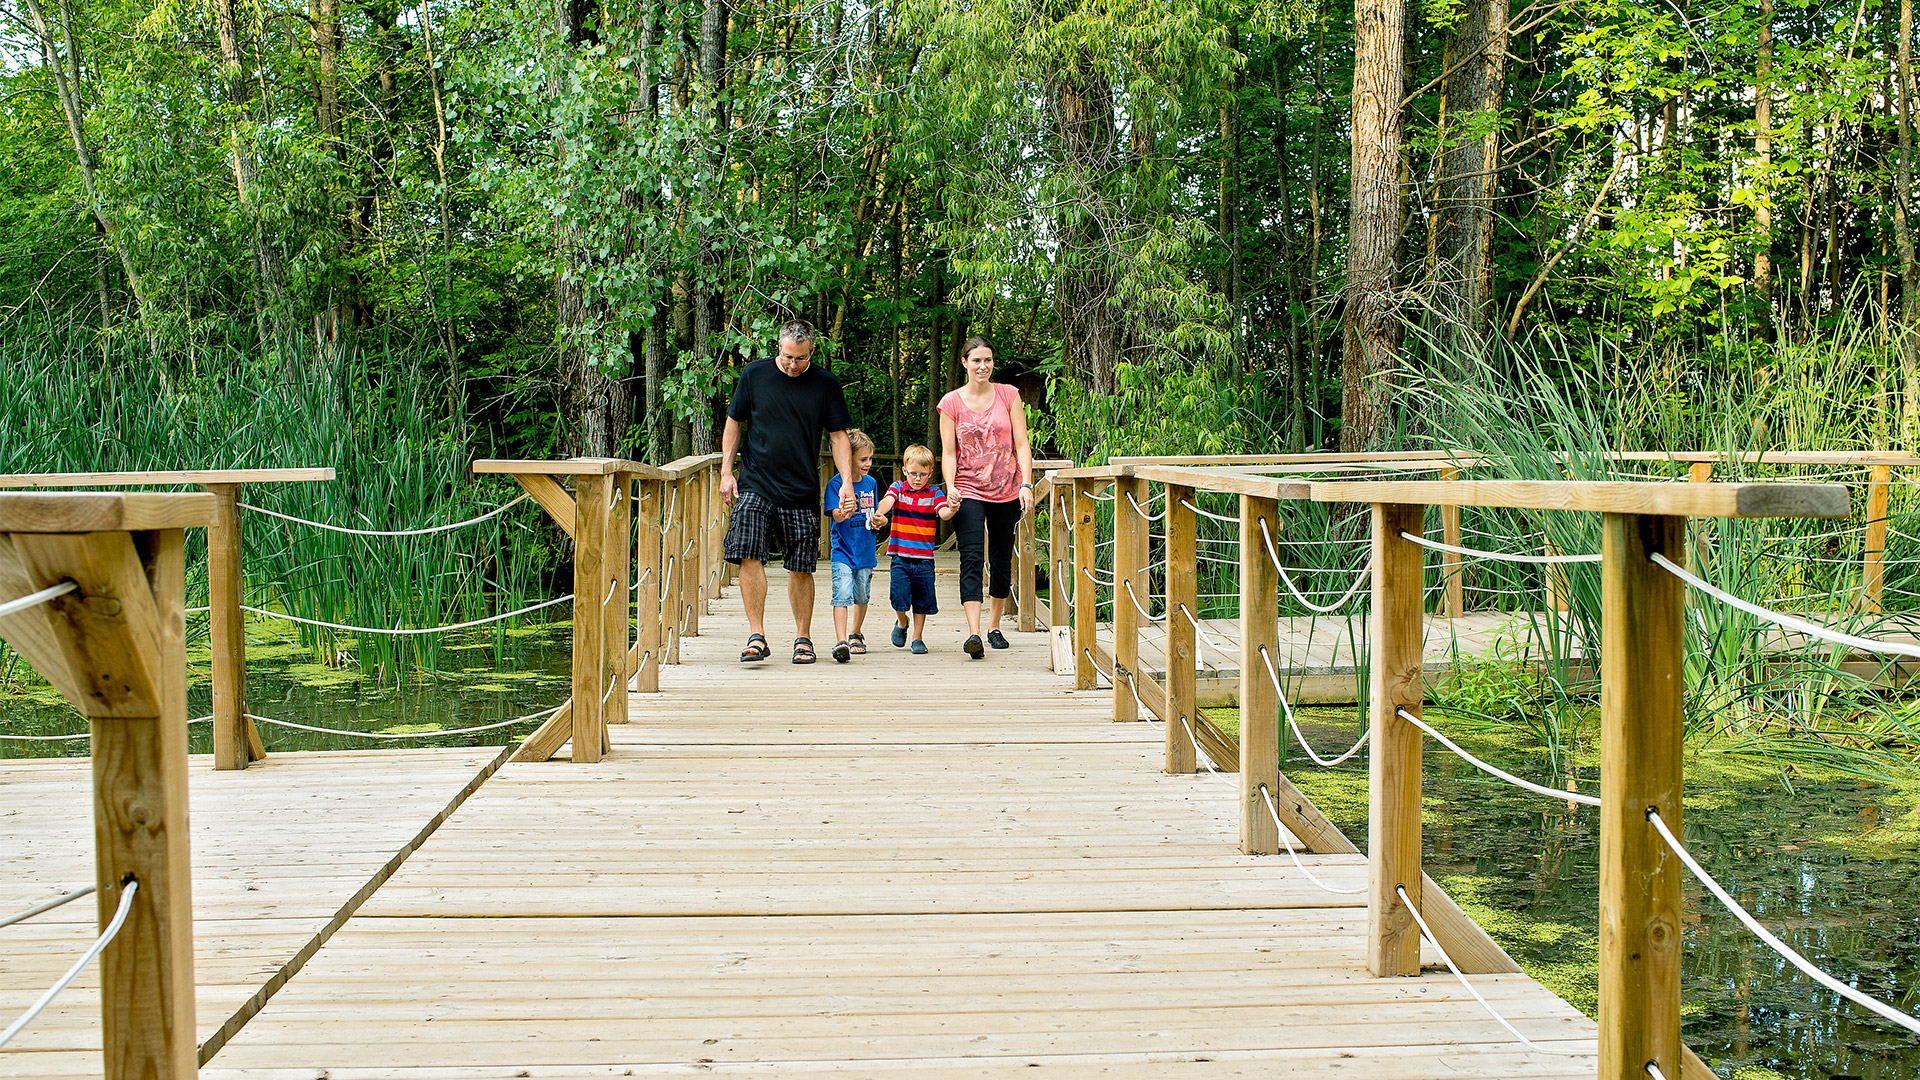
985, 532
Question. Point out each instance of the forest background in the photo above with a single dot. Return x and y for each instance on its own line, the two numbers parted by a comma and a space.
1225, 226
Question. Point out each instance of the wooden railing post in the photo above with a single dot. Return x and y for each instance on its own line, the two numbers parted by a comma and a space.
694, 491
1060, 565
1393, 810
1452, 567
1260, 733
648, 567
590, 669
673, 581
1129, 589
1029, 593
1873, 569
618, 568
235, 740
1183, 608
1641, 686
116, 650
714, 564
1086, 594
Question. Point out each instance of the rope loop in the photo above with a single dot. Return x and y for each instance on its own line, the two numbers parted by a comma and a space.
1537, 789
113, 929
1811, 629
1359, 579
493, 513
1502, 556
1293, 725
1865, 1001
35, 599
404, 632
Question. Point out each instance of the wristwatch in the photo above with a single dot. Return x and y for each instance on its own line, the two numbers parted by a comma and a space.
1029, 487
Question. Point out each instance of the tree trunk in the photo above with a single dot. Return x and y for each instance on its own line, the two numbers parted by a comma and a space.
1092, 329
1763, 149
1371, 345
1471, 88
1230, 206
597, 402
270, 308
1903, 237
68, 90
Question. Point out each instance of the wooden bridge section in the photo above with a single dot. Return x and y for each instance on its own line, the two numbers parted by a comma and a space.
923, 866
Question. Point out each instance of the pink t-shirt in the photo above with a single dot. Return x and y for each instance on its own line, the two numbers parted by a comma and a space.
987, 467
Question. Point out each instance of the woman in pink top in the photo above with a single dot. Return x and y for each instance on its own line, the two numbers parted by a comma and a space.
989, 471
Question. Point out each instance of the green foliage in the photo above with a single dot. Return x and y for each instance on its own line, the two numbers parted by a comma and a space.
390, 428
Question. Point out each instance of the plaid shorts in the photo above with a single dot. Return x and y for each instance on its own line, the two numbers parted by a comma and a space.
754, 519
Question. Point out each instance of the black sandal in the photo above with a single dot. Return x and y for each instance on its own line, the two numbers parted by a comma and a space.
803, 650
757, 648
857, 644
841, 654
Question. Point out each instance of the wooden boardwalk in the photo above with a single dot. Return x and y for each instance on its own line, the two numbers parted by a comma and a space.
923, 866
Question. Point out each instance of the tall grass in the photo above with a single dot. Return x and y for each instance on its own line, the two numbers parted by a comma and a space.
1536, 411
391, 427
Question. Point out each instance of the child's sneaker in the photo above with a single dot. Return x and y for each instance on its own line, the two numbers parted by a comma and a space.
899, 636
919, 647
973, 647
998, 640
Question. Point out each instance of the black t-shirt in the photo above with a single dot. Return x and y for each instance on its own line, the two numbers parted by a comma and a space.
785, 416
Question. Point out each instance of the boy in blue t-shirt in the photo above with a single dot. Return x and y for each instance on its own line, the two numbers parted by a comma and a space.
853, 544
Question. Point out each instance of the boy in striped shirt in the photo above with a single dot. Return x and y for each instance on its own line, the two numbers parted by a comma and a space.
916, 506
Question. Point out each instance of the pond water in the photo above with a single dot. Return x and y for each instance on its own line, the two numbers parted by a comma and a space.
1827, 863
484, 679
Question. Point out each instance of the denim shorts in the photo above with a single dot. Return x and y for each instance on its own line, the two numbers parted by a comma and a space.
910, 586
852, 585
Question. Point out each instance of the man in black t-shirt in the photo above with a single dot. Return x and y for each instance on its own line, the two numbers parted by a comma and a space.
783, 404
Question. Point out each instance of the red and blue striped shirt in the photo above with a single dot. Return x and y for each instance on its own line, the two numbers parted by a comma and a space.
915, 519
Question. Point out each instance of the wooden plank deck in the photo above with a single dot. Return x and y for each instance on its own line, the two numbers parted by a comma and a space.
277, 851
921, 866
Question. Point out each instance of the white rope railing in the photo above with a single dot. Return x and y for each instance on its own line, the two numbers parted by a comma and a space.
493, 513
1107, 675
1136, 604
75, 737
1273, 811
1205, 514
40, 909
113, 929
1811, 629
407, 735
1427, 933
1653, 1070
1287, 707
1287, 580
403, 632
1538, 789
1142, 511
35, 599
1865, 1001
1200, 632
1095, 573
1502, 556
1199, 754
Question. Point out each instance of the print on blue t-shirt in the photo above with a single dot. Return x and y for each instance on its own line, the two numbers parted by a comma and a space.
853, 542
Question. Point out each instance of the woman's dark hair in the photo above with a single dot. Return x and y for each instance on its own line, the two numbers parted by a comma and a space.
973, 343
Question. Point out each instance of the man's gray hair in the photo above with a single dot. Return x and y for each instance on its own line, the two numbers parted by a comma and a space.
799, 331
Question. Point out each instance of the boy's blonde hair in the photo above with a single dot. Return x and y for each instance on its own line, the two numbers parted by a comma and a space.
859, 441
916, 455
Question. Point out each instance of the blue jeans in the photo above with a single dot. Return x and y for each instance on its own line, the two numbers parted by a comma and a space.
852, 585
910, 586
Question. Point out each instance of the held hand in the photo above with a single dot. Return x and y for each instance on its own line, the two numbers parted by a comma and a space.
847, 503
876, 522
728, 488
953, 500
1026, 501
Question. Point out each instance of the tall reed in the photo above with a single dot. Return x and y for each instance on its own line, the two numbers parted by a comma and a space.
388, 423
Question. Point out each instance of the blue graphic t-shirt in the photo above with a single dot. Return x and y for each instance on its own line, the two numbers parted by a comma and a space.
853, 542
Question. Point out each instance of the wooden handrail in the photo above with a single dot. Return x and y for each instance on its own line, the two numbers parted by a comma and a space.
116, 649
676, 565
1642, 662
164, 477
